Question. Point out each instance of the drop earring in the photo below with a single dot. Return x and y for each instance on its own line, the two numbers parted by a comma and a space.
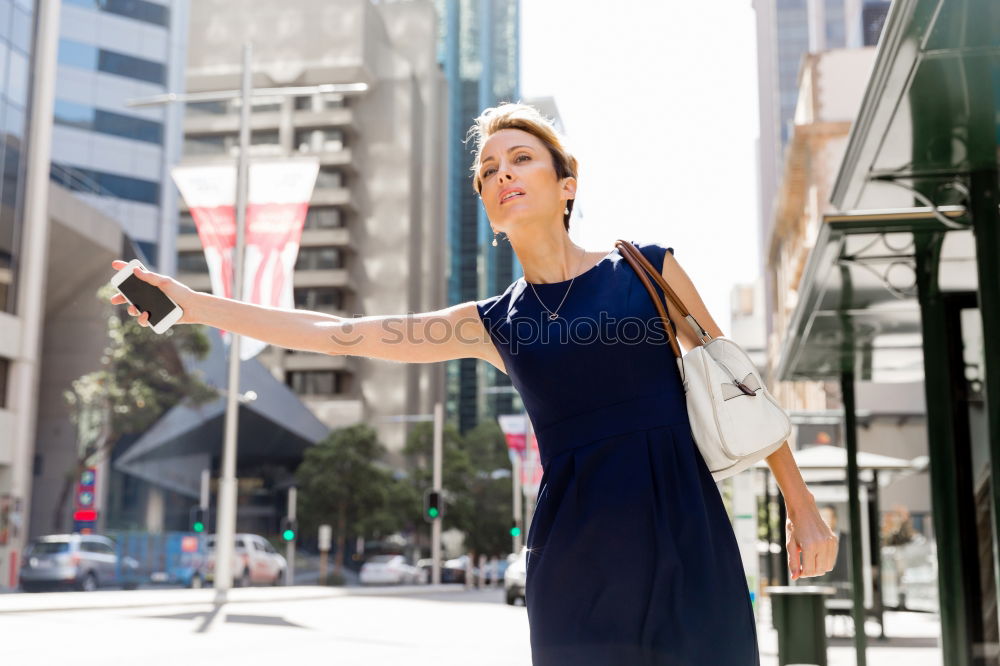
566, 211
494, 239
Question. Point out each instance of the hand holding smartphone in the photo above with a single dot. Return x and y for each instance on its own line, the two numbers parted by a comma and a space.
146, 293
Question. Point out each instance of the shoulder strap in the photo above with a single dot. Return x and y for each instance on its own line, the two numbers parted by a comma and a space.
645, 270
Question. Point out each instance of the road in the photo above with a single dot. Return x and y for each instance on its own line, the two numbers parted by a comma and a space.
416, 625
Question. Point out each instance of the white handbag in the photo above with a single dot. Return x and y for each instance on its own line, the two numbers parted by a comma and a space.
735, 421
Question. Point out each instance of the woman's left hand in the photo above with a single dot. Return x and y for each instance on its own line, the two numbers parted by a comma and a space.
811, 544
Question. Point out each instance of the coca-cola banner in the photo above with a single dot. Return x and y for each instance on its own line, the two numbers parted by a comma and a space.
277, 201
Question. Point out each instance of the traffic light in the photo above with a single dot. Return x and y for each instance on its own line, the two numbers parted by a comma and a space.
433, 505
199, 519
289, 529
515, 529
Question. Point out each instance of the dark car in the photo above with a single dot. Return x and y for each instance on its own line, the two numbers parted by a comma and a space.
78, 561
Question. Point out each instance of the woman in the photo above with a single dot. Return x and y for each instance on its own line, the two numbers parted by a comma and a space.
631, 555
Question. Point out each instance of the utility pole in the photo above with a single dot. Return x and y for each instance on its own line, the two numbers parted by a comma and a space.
290, 545
436, 525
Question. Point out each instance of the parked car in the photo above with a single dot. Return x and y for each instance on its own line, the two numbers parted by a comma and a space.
254, 561
390, 569
452, 571
515, 576
81, 561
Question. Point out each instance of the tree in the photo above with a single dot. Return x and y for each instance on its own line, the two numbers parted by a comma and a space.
141, 377
489, 489
477, 499
456, 473
341, 478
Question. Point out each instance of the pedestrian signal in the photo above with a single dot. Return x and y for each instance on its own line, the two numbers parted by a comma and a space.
515, 529
433, 505
199, 519
289, 528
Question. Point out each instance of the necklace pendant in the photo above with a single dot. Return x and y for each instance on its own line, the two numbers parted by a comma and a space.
553, 316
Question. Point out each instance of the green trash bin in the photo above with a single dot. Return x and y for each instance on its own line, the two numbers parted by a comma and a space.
799, 615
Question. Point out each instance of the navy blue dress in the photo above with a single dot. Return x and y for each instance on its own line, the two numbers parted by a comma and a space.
632, 559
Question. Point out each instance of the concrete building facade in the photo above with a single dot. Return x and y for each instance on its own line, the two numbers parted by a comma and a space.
373, 241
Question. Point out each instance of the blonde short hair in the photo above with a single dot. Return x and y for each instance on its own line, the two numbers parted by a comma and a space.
527, 118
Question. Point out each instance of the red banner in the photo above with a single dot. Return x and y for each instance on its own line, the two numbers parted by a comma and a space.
278, 199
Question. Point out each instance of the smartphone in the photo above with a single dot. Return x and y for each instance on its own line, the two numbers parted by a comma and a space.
163, 312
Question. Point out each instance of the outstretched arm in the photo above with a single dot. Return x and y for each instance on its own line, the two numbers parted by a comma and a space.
455, 332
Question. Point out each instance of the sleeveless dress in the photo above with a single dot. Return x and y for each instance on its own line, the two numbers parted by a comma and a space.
631, 558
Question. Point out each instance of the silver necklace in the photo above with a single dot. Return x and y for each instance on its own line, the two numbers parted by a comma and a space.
553, 314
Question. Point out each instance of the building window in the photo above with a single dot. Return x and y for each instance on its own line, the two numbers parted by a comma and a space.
320, 299
319, 140
192, 262
84, 117
150, 249
316, 382
311, 103
318, 258
185, 224
330, 177
102, 183
140, 10
213, 108
4, 373
873, 17
326, 217
86, 56
227, 143
208, 144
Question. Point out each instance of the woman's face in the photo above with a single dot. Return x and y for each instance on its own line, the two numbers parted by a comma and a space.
519, 181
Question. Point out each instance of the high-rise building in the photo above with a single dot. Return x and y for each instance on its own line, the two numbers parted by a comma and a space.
786, 31
16, 39
480, 53
373, 240
113, 156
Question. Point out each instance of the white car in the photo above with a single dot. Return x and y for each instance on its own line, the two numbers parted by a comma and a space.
515, 576
390, 569
254, 561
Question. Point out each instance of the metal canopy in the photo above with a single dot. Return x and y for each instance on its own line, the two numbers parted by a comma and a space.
927, 116
858, 308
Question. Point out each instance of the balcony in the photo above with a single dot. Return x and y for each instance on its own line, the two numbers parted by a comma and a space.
329, 277
340, 118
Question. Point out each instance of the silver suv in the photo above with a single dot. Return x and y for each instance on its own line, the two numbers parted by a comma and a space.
81, 561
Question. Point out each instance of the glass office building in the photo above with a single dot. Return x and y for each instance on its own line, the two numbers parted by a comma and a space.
114, 156
480, 51
17, 19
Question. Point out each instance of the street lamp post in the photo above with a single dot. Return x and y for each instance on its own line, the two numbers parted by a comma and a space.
437, 416
226, 519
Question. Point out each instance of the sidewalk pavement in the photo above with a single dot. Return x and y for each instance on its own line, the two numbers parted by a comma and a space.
911, 638
113, 599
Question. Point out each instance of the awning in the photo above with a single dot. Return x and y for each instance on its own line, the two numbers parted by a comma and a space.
857, 308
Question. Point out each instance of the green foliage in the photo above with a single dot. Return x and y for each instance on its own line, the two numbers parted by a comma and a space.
345, 473
341, 476
141, 377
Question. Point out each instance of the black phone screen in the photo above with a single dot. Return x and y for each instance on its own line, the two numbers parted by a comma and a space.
146, 298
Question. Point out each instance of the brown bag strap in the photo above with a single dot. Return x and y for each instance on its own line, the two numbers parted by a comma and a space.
645, 270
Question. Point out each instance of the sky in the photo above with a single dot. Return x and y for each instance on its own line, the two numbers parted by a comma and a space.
659, 102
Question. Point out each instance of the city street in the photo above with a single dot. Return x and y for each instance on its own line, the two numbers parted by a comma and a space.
418, 626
